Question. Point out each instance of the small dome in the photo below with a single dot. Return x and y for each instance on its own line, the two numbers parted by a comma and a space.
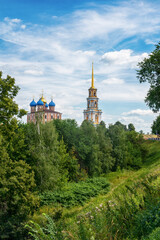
33, 104
52, 104
43, 100
46, 105
40, 103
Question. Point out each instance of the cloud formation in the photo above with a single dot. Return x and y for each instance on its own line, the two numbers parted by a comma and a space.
138, 112
57, 57
124, 58
111, 81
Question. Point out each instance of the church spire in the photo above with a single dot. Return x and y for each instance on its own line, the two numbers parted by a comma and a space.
92, 77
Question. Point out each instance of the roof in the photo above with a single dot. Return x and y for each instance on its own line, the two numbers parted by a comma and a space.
40, 102
43, 100
52, 104
33, 103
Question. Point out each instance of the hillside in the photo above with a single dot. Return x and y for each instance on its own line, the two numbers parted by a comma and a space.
131, 206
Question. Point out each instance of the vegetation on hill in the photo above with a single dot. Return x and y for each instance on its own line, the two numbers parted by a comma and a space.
71, 173
149, 72
130, 210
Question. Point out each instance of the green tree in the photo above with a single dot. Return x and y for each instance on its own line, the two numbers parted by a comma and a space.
8, 107
17, 198
118, 123
137, 151
156, 126
117, 134
8, 117
68, 130
88, 149
105, 147
46, 155
149, 71
131, 127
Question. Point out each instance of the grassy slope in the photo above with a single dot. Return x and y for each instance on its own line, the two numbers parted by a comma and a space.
117, 180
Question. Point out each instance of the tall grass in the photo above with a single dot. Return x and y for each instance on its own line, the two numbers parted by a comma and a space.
130, 210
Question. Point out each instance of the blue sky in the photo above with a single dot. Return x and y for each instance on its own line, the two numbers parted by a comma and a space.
51, 44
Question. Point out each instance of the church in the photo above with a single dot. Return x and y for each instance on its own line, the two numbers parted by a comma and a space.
42, 111
92, 113
46, 112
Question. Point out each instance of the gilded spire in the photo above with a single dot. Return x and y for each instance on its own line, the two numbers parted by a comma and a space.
92, 77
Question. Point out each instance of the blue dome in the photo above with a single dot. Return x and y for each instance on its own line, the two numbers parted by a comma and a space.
52, 104
33, 104
46, 105
40, 102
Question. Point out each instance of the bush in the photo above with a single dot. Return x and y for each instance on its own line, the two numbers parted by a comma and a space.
38, 232
17, 198
76, 193
147, 220
155, 235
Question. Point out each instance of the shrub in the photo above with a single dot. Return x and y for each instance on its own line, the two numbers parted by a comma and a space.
155, 235
76, 193
42, 233
146, 221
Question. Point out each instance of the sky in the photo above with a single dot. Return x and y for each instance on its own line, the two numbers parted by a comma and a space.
49, 45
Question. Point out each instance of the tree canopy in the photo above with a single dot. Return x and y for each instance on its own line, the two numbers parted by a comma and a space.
149, 71
156, 126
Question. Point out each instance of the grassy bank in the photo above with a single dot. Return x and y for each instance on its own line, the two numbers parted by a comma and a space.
132, 195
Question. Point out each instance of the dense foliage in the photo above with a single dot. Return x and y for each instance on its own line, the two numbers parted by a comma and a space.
149, 71
59, 161
156, 126
76, 193
133, 214
17, 198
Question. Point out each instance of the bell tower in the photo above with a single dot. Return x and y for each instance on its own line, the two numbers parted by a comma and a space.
92, 113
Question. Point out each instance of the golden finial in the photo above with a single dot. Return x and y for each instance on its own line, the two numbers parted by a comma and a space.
42, 98
92, 77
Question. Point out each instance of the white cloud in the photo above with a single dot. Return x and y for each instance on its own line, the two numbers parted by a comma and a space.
111, 81
127, 120
124, 58
14, 20
57, 58
33, 72
138, 112
54, 17
122, 93
23, 26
